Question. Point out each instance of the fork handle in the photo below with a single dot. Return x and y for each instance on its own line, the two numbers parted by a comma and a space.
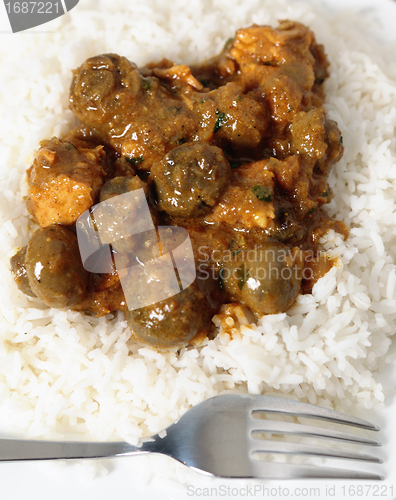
20, 450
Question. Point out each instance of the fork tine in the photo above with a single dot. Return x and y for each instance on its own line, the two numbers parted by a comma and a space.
270, 426
270, 404
270, 470
267, 446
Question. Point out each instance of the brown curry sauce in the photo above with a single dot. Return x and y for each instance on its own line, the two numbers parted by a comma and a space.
236, 150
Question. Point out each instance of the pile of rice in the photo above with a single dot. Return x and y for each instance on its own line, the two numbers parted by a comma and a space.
62, 372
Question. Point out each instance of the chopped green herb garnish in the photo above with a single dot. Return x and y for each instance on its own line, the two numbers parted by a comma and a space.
175, 109
239, 98
70, 146
146, 84
134, 161
220, 279
263, 193
242, 276
311, 211
341, 140
221, 120
228, 42
291, 109
231, 246
326, 193
235, 164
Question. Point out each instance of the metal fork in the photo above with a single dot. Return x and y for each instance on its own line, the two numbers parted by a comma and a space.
218, 438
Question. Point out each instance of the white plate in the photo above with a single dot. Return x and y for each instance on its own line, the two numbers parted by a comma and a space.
125, 478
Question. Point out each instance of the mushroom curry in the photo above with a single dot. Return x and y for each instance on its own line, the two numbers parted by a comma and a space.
237, 151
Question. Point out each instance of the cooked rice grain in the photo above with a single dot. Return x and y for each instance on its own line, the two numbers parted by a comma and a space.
62, 372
